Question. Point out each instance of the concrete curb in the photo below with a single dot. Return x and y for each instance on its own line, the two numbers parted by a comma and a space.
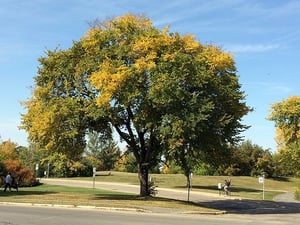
206, 213
77, 206
103, 208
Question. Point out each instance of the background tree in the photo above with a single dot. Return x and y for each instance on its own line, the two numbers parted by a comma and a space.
103, 151
286, 115
127, 163
8, 150
170, 167
93, 148
249, 159
161, 92
32, 155
60, 164
109, 155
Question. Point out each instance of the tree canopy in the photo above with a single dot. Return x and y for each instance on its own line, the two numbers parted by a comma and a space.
163, 93
286, 115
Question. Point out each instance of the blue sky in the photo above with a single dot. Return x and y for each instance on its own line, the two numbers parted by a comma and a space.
263, 35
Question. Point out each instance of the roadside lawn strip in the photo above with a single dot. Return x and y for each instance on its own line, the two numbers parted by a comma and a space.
46, 194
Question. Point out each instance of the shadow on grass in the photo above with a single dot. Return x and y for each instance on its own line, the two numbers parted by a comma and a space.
247, 206
145, 199
234, 206
130, 197
116, 197
283, 179
214, 188
24, 193
104, 175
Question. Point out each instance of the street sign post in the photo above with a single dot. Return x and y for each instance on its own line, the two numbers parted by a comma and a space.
94, 176
261, 180
36, 169
189, 185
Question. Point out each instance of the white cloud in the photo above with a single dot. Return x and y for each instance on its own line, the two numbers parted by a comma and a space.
281, 89
271, 87
251, 48
268, 9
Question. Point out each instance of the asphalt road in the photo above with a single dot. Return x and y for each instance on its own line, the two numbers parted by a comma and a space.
21, 215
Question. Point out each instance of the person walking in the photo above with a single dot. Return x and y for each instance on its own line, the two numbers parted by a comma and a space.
8, 181
227, 186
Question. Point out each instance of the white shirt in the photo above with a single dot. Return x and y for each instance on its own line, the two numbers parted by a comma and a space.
8, 179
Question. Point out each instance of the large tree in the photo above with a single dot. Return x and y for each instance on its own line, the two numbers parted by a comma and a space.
163, 93
286, 115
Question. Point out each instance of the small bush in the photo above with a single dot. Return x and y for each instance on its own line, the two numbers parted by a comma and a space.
23, 176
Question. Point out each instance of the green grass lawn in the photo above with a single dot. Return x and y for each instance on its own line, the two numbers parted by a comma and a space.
241, 186
74, 196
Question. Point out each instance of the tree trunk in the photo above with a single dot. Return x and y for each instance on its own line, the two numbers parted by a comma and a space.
143, 177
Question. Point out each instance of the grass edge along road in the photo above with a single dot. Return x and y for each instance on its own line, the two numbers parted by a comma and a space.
46, 194
244, 187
